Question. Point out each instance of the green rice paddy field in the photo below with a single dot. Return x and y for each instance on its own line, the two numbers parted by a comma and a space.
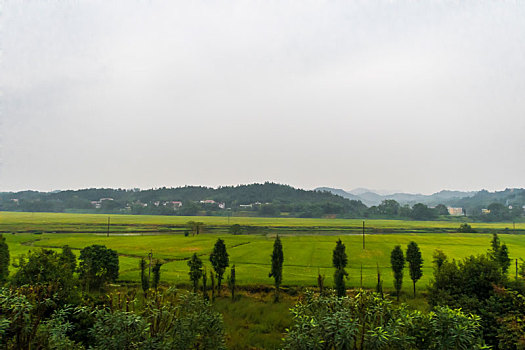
307, 243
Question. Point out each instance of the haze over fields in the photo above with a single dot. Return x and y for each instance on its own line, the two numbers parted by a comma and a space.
400, 95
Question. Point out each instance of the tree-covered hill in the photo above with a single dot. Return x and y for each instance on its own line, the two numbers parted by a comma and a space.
267, 199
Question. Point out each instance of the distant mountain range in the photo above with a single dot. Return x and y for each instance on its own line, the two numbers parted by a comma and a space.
371, 197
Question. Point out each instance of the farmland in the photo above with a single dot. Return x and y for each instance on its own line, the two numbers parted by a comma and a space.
308, 243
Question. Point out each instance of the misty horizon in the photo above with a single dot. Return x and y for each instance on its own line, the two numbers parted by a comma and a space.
414, 97
382, 192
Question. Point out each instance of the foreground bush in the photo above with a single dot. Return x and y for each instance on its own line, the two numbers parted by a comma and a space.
366, 321
185, 322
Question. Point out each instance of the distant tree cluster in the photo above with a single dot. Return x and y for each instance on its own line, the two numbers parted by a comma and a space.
267, 200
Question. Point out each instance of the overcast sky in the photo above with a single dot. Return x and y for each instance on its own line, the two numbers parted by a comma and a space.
414, 96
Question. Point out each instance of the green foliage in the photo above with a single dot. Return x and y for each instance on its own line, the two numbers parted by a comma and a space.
445, 328
339, 261
204, 285
195, 227
143, 275
466, 228
54, 332
339, 257
438, 258
164, 323
156, 275
397, 261
232, 281
188, 323
367, 321
472, 277
441, 209
4, 260
495, 244
469, 284
219, 260
379, 285
195, 264
118, 330
17, 318
500, 253
44, 268
236, 229
98, 265
422, 212
503, 258
68, 259
511, 330
277, 264
320, 282
415, 263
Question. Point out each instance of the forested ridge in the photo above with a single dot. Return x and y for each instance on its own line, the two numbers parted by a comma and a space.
266, 199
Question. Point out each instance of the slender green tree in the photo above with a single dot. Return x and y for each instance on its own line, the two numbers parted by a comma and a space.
320, 282
379, 286
219, 261
143, 275
397, 260
212, 282
500, 253
277, 265
156, 275
415, 263
495, 244
339, 261
503, 258
232, 281
68, 259
4, 260
204, 285
195, 273
439, 258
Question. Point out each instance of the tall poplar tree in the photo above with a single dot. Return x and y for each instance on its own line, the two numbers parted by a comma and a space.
195, 273
4, 260
219, 261
277, 265
232, 281
397, 260
143, 275
156, 275
415, 263
339, 261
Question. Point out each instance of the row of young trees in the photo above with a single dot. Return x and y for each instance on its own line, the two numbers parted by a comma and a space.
219, 259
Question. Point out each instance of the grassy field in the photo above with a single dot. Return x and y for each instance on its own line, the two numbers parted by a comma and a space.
98, 223
305, 254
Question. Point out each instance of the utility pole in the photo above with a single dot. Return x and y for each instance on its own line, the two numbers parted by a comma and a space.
363, 235
516, 269
108, 226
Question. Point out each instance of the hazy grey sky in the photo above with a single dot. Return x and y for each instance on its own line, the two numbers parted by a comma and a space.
409, 95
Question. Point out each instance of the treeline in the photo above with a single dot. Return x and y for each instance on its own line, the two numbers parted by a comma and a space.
268, 199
